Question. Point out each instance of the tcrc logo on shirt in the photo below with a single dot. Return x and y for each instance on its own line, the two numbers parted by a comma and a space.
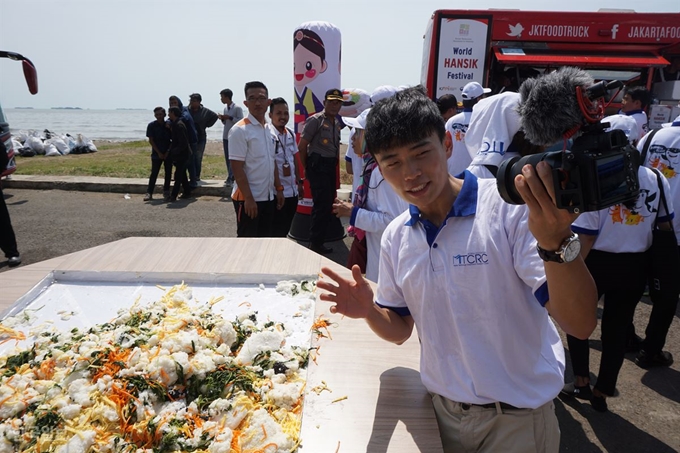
471, 259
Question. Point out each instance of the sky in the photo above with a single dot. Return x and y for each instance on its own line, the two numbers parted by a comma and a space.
108, 54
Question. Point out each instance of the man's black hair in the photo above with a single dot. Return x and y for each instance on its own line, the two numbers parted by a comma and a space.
176, 110
638, 93
255, 84
275, 102
196, 96
447, 102
403, 119
179, 101
228, 93
158, 108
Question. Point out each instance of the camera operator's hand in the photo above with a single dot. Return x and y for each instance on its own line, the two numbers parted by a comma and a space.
549, 224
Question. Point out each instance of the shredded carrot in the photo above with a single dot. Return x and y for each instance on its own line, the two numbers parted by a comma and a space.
246, 303
321, 323
112, 363
11, 334
235, 441
46, 370
6, 399
165, 376
264, 431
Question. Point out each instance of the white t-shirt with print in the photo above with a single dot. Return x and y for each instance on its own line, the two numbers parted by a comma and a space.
620, 229
641, 118
286, 149
460, 158
476, 296
664, 155
252, 143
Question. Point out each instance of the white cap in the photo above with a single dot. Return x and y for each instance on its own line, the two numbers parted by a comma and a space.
382, 92
494, 122
625, 123
359, 122
677, 120
473, 90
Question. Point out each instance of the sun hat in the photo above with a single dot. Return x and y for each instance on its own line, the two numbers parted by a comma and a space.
359, 122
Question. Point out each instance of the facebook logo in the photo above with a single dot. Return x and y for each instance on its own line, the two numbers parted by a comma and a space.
615, 29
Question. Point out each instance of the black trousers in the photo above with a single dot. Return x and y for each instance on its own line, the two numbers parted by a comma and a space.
261, 225
283, 217
621, 278
181, 178
156, 165
660, 320
8, 241
320, 173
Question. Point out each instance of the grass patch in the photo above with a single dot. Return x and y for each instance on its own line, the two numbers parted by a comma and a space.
113, 159
125, 160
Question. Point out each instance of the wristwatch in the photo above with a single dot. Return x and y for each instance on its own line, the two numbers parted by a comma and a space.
568, 251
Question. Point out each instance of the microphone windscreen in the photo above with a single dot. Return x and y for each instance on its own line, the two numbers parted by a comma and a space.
549, 106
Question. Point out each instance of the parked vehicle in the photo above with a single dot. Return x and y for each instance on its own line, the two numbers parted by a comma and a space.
501, 48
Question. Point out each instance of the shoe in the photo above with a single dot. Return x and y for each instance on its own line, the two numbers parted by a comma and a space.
599, 403
633, 343
583, 393
148, 197
185, 196
172, 199
321, 249
166, 194
14, 261
644, 360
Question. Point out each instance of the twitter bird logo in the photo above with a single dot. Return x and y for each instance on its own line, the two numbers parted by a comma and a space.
516, 30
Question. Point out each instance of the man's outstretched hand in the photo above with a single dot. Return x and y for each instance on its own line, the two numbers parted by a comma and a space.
353, 299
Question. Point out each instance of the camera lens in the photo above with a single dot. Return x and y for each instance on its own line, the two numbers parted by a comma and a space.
509, 169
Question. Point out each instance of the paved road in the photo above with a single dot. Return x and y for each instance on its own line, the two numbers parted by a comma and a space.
52, 223
644, 418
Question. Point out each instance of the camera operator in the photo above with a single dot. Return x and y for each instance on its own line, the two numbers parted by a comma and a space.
614, 245
465, 268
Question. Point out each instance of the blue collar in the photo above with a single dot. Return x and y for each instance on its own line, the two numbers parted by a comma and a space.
633, 112
675, 123
464, 205
467, 110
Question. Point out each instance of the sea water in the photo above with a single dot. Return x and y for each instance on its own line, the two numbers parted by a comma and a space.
116, 125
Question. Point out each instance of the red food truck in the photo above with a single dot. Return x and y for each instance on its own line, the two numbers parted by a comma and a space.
501, 48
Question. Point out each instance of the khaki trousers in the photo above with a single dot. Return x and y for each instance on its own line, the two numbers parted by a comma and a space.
467, 428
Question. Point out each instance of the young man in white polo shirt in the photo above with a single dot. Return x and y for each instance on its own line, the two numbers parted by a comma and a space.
463, 266
257, 192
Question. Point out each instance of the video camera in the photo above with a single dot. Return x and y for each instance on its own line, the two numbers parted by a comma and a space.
601, 168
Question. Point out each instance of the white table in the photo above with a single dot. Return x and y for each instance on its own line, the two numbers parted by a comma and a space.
386, 409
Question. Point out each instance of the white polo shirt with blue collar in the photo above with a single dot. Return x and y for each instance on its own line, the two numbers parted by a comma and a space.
476, 289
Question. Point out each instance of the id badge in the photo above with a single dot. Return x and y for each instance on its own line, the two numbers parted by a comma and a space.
286, 169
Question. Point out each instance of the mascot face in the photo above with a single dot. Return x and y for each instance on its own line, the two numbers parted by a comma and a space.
307, 66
